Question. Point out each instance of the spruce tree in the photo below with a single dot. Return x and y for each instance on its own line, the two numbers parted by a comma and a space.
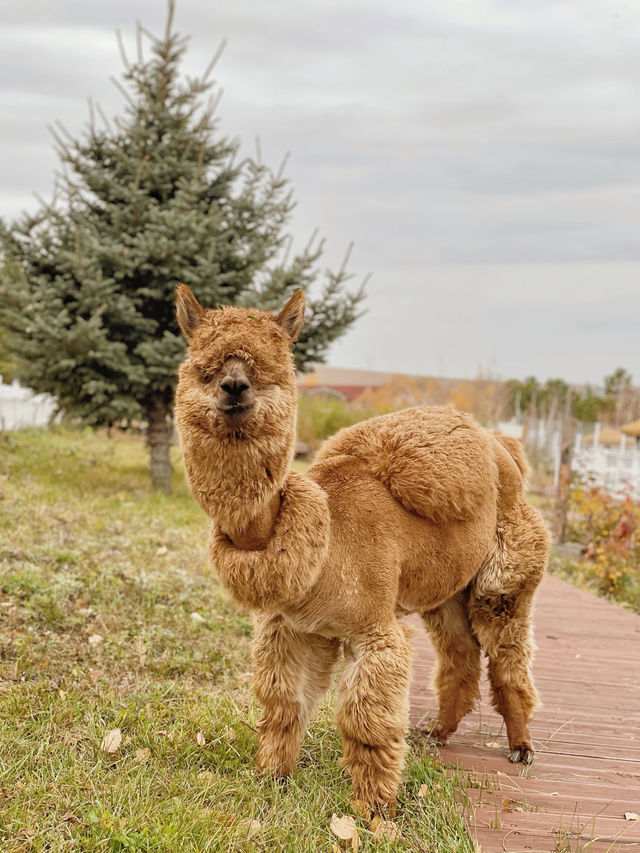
155, 198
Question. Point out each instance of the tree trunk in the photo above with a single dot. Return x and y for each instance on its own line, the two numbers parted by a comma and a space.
158, 438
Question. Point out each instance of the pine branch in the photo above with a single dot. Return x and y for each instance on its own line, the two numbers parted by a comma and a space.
140, 52
312, 239
123, 52
92, 116
122, 90
282, 167
171, 8
104, 118
214, 60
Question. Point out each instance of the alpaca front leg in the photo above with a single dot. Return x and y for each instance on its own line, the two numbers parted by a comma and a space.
373, 713
291, 671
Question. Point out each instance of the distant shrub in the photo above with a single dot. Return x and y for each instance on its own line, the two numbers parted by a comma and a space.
322, 415
608, 528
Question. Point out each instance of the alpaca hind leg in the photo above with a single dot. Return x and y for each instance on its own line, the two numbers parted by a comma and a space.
373, 713
291, 672
457, 672
500, 610
503, 626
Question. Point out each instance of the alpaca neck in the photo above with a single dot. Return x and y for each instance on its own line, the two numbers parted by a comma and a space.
238, 481
255, 535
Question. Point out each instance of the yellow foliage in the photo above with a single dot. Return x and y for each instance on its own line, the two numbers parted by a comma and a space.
609, 530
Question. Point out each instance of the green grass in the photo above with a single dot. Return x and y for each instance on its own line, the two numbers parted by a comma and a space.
99, 581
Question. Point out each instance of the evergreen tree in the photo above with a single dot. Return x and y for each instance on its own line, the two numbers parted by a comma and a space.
154, 199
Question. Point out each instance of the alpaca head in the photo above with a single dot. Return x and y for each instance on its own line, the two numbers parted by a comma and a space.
238, 382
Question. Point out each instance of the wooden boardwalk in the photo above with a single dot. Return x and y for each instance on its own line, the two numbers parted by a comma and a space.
586, 734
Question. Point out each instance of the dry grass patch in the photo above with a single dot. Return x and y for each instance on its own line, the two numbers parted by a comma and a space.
112, 621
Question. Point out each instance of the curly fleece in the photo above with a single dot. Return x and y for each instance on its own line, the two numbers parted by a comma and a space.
420, 511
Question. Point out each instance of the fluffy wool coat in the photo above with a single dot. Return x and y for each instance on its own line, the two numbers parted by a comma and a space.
421, 511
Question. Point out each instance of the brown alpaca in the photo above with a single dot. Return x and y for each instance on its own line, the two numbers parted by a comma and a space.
421, 511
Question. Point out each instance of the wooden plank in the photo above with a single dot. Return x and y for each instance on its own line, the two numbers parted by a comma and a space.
569, 800
586, 774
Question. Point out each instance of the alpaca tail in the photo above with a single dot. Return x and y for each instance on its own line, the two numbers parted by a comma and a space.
516, 451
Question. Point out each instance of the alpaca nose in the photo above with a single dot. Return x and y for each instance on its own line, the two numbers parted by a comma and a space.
234, 386
235, 392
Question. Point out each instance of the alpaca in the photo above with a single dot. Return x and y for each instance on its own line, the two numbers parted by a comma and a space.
421, 511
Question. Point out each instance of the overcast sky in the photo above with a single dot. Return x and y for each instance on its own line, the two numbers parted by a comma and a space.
483, 155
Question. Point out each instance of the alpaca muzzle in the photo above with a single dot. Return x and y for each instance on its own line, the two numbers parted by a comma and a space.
235, 397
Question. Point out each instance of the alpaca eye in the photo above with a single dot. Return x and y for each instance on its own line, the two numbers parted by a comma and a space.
205, 378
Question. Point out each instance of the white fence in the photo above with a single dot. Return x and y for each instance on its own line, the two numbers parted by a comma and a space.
614, 468
20, 407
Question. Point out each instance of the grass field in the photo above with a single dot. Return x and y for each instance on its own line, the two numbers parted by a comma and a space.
114, 634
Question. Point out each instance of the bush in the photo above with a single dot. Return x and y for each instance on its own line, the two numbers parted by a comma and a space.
322, 415
608, 528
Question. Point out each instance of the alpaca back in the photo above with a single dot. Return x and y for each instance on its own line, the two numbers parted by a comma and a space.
437, 462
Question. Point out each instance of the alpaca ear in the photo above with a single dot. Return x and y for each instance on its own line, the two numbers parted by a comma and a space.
188, 310
291, 318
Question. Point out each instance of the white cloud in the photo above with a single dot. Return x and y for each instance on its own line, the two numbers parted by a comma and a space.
472, 135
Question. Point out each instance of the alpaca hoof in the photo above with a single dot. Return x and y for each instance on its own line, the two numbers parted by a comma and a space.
271, 768
280, 779
522, 754
436, 732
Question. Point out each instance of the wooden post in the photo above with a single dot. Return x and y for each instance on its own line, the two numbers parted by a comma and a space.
564, 479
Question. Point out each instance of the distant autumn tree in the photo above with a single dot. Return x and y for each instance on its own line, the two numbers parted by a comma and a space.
623, 398
146, 201
485, 398
401, 391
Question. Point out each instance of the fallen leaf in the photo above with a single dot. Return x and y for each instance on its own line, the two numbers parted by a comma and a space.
507, 805
206, 775
96, 639
168, 734
492, 744
385, 829
252, 826
69, 818
162, 550
94, 674
423, 790
26, 833
631, 816
197, 618
198, 738
344, 828
143, 754
229, 734
111, 741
